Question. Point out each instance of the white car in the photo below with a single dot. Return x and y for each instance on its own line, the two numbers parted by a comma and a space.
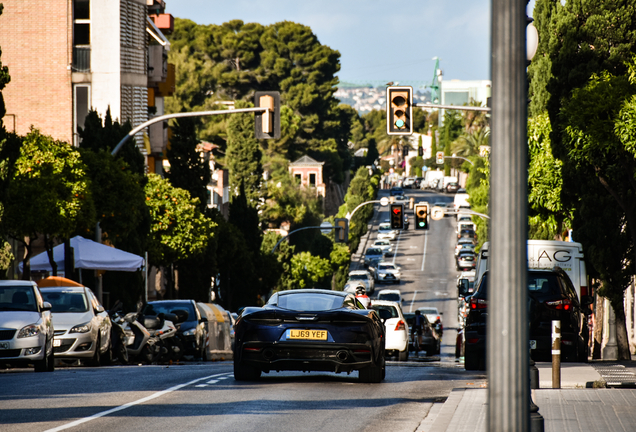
385, 232
385, 245
26, 335
387, 272
396, 328
82, 326
390, 295
432, 314
364, 277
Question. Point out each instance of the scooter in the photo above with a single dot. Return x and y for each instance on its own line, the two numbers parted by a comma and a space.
130, 333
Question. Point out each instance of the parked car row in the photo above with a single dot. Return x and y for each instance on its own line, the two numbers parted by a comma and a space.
59, 319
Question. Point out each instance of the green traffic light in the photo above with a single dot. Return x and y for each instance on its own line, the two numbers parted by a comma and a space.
399, 124
422, 224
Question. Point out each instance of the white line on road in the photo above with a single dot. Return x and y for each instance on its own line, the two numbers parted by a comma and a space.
424, 252
130, 404
412, 300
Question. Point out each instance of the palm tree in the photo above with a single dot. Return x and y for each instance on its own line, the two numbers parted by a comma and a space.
468, 143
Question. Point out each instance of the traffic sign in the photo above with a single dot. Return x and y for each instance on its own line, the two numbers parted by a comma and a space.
327, 225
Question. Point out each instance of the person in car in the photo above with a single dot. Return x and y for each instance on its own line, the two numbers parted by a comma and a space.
361, 294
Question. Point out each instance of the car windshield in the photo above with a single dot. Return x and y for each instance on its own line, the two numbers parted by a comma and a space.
358, 277
66, 301
381, 243
386, 267
389, 297
17, 298
392, 309
467, 257
309, 302
385, 228
157, 308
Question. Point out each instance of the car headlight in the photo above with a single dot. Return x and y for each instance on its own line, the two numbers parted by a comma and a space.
190, 332
81, 328
29, 331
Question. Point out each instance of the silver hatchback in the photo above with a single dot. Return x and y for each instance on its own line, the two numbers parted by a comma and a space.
82, 326
26, 328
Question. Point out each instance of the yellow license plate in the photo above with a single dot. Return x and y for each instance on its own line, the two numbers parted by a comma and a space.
307, 334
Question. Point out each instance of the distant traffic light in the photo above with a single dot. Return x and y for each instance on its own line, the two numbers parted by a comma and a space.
439, 157
342, 230
399, 110
397, 216
267, 124
421, 216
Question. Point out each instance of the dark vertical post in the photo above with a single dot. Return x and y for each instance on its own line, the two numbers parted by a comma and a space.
507, 353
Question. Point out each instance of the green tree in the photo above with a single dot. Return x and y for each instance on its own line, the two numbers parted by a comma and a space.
309, 271
178, 229
188, 170
66, 206
243, 157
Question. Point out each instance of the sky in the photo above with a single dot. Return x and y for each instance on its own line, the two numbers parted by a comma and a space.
378, 40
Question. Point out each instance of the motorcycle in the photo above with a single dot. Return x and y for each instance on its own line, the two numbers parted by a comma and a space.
132, 342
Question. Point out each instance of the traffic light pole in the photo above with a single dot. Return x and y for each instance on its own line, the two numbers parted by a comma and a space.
181, 115
350, 216
452, 107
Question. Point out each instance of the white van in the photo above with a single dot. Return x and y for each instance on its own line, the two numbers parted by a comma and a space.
548, 254
461, 199
429, 177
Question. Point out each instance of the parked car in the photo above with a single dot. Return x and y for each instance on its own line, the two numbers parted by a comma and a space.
82, 326
387, 272
409, 183
390, 295
373, 254
395, 328
466, 261
551, 296
385, 245
365, 277
192, 330
385, 232
26, 326
431, 340
310, 330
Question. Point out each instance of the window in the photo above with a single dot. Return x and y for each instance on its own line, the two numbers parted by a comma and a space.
299, 177
312, 179
82, 104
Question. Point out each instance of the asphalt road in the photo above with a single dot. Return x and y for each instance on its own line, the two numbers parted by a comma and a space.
205, 397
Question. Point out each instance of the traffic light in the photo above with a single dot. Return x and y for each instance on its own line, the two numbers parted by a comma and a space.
420, 151
342, 230
439, 157
421, 216
267, 124
397, 216
399, 110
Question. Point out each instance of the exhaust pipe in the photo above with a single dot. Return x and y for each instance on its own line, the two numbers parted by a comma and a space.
342, 355
268, 354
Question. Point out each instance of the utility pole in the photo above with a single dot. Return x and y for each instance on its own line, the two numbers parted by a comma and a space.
507, 352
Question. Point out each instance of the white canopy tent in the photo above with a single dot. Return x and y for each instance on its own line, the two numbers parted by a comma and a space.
90, 255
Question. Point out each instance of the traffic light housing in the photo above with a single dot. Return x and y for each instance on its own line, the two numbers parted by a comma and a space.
267, 124
342, 230
439, 157
397, 216
421, 216
420, 151
399, 110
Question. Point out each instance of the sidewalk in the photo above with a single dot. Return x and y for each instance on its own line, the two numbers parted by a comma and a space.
578, 406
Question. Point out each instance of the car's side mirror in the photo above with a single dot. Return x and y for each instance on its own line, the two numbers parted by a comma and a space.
46, 306
99, 309
462, 287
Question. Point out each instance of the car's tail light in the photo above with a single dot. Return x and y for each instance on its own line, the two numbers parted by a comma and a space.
400, 325
563, 304
478, 303
251, 349
472, 340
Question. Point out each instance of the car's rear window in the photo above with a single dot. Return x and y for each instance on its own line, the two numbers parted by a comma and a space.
309, 302
538, 282
157, 308
66, 301
392, 309
374, 251
17, 298
358, 277
389, 297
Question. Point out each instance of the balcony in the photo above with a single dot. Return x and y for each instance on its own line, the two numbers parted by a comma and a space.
81, 59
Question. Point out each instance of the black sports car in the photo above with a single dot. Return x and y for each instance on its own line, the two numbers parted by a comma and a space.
310, 330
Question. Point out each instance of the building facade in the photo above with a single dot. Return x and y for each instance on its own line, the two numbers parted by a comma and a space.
66, 57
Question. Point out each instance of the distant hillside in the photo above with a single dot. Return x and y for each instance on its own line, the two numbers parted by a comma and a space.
366, 98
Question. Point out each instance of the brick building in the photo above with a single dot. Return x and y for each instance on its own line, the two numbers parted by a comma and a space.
66, 57
308, 172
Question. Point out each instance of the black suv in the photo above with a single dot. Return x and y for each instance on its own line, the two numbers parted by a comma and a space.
551, 296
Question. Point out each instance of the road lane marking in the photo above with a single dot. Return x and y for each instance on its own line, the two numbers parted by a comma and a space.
131, 404
412, 300
424, 252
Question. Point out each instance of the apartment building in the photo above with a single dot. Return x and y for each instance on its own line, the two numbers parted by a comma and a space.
68, 56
